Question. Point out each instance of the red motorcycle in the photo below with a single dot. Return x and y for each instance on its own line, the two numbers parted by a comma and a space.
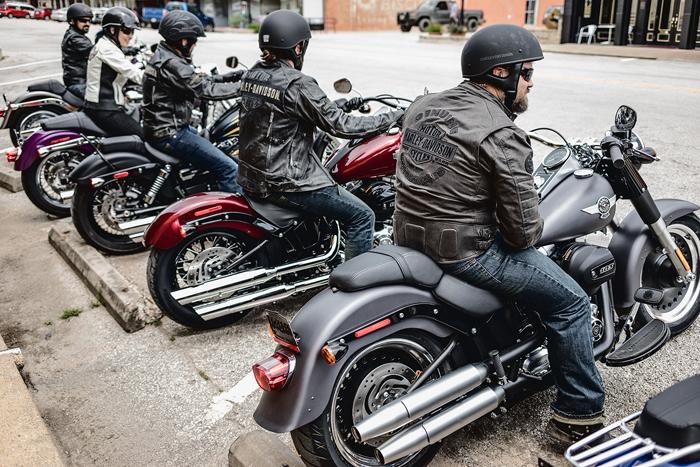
215, 256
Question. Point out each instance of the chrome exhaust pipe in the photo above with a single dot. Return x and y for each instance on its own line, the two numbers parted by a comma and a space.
422, 401
261, 297
438, 427
136, 226
218, 288
72, 143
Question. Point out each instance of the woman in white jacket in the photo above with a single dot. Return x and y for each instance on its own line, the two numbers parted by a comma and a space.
108, 71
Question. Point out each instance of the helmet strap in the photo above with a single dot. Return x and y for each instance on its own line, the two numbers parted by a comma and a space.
298, 59
509, 84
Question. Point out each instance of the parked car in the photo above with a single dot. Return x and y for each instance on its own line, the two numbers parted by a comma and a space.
16, 10
153, 16
42, 13
551, 17
97, 14
436, 11
59, 15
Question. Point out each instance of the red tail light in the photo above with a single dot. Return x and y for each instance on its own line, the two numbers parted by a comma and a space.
119, 175
3, 112
11, 154
273, 373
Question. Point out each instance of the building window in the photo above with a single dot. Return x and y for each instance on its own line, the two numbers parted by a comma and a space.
530, 11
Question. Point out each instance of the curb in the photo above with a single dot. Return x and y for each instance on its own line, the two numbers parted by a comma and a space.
124, 302
10, 179
24, 437
261, 449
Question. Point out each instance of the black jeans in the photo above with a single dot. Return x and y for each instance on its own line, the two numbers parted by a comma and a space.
115, 122
77, 90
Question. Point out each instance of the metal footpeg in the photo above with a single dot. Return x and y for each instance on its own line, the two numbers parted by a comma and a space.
641, 345
649, 296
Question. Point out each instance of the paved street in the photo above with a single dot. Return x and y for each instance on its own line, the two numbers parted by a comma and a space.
153, 397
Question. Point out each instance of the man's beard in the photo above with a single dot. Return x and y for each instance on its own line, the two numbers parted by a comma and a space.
520, 105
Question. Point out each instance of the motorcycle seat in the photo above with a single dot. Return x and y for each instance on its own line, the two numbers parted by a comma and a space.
123, 144
75, 121
391, 265
48, 85
72, 99
278, 215
160, 156
672, 418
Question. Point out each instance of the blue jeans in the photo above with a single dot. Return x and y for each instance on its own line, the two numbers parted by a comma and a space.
531, 278
335, 202
189, 146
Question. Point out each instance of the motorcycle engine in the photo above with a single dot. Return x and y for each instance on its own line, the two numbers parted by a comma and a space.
378, 194
589, 265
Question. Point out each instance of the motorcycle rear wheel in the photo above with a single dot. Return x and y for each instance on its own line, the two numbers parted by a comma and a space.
28, 118
167, 270
384, 369
41, 185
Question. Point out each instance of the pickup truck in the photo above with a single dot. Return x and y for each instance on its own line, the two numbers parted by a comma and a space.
437, 11
153, 16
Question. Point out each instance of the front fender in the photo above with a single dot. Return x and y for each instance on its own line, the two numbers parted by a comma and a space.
95, 166
40, 139
632, 243
200, 211
328, 315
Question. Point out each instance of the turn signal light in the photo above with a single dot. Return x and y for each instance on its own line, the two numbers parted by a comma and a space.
273, 373
11, 154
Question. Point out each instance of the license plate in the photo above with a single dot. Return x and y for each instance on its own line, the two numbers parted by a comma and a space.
282, 331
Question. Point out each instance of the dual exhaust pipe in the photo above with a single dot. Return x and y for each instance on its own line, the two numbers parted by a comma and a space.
432, 396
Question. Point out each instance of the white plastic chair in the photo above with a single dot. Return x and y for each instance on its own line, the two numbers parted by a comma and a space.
587, 32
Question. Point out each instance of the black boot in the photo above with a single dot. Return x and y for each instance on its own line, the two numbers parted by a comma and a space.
563, 432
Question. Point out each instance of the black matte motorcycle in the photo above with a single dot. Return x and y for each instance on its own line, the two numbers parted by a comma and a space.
396, 355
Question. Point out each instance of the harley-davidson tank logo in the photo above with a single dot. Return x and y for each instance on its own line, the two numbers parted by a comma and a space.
603, 207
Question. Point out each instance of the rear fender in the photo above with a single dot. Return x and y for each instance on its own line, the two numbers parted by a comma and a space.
30, 149
95, 166
33, 99
326, 316
198, 212
632, 243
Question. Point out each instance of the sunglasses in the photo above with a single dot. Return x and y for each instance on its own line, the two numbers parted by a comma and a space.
527, 73
83, 20
126, 31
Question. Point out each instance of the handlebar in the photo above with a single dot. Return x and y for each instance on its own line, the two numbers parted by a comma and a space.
612, 145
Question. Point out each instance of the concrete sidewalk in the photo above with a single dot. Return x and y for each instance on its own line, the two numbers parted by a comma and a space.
24, 437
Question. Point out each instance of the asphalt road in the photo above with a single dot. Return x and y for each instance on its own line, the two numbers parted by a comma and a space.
154, 397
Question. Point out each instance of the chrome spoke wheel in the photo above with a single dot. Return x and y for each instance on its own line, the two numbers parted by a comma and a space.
31, 123
52, 174
114, 202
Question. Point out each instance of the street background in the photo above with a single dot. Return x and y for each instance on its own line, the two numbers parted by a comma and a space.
158, 396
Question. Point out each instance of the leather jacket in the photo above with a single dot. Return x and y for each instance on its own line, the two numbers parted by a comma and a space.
108, 71
280, 109
75, 50
171, 85
464, 173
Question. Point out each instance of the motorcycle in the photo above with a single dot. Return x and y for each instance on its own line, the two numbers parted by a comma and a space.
217, 256
665, 433
396, 355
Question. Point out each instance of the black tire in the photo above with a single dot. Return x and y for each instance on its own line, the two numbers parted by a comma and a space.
161, 279
209, 28
24, 115
90, 230
32, 184
472, 24
406, 28
154, 25
316, 443
681, 305
423, 24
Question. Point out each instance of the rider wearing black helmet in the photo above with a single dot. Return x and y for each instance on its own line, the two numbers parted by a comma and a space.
75, 48
281, 108
109, 70
171, 85
466, 197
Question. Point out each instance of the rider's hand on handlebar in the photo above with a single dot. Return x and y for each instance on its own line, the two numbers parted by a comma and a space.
352, 104
231, 76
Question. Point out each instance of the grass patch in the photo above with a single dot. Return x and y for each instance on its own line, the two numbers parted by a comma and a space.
71, 313
95, 303
203, 375
172, 338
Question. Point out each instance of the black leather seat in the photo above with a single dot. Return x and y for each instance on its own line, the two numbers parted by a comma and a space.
75, 121
48, 85
123, 144
159, 156
277, 215
672, 418
391, 264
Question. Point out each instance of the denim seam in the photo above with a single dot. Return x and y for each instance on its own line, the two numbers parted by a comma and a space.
483, 268
553, 279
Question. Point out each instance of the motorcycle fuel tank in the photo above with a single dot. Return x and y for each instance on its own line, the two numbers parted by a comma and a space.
226, 126
582, 203
371, 158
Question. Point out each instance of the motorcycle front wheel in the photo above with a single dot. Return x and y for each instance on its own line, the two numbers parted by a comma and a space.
200, 258
372, 378
46, 182
97, 213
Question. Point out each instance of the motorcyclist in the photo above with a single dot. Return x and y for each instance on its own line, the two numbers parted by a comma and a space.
171, 85
108, 71
466, 197
75, 48
281, 107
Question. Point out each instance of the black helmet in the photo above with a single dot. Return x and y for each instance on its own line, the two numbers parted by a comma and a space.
180, 24
78, 10
281, 31
500, 45
120, 17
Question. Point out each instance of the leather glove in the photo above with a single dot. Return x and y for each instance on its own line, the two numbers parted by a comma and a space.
232, 76
352, 104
